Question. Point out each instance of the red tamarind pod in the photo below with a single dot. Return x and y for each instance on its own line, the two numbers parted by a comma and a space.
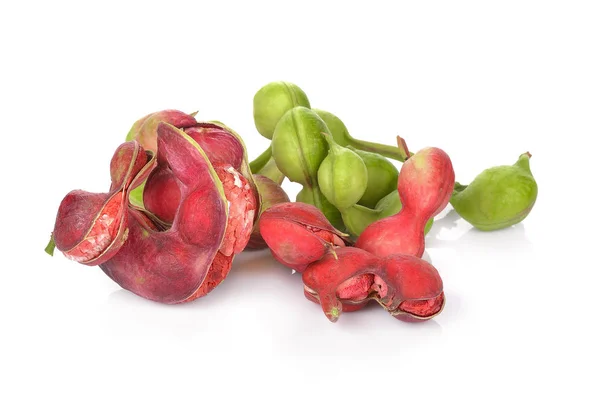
425, 185
298, 234
194, 254
144, 129
408, 287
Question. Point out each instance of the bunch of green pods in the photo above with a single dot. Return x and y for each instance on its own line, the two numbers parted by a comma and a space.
303, 138
299, 147
352, 181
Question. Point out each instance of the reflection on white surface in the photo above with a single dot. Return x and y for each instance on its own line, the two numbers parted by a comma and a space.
451, 231
262, 294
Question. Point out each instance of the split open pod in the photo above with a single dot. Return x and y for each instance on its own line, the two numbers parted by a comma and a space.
409, 288
208, 215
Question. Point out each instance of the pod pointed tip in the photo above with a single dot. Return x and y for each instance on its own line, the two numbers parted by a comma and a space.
331, 306
523, 161
333, 315
403, 146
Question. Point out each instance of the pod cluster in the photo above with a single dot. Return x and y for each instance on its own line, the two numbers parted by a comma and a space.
183, 200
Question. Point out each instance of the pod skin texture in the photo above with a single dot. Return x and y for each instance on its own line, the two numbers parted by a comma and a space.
169, 265
498, 197
409, 288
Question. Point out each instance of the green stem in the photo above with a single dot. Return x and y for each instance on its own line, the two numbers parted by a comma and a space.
316, 194
399, 152
258, 163
50, 247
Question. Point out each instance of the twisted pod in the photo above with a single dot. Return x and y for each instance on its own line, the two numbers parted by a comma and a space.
169, 262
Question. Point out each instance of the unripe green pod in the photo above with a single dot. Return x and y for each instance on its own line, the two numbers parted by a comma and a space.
315, 197
298, 145
389, 205
357, 217
498, 197
271, 171
382, 177
272, 101
342, 176
336, 126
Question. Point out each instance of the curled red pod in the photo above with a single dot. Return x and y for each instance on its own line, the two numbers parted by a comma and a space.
144, 129
91, 227
219, 144
223, 147
174, 262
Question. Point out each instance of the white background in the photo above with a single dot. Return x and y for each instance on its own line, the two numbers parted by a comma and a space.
485, 81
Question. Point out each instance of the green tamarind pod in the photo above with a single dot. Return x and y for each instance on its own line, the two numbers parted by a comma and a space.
298, 145
342, 136
271, 171
357, 217
342, 175
498, 197
298, 148
382, 177
314, 196
272, 101
336, 126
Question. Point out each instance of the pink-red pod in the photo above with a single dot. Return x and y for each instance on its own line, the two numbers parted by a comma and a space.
219, 144
194, 254
425, 184
298, 234
223, 147
409, 288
